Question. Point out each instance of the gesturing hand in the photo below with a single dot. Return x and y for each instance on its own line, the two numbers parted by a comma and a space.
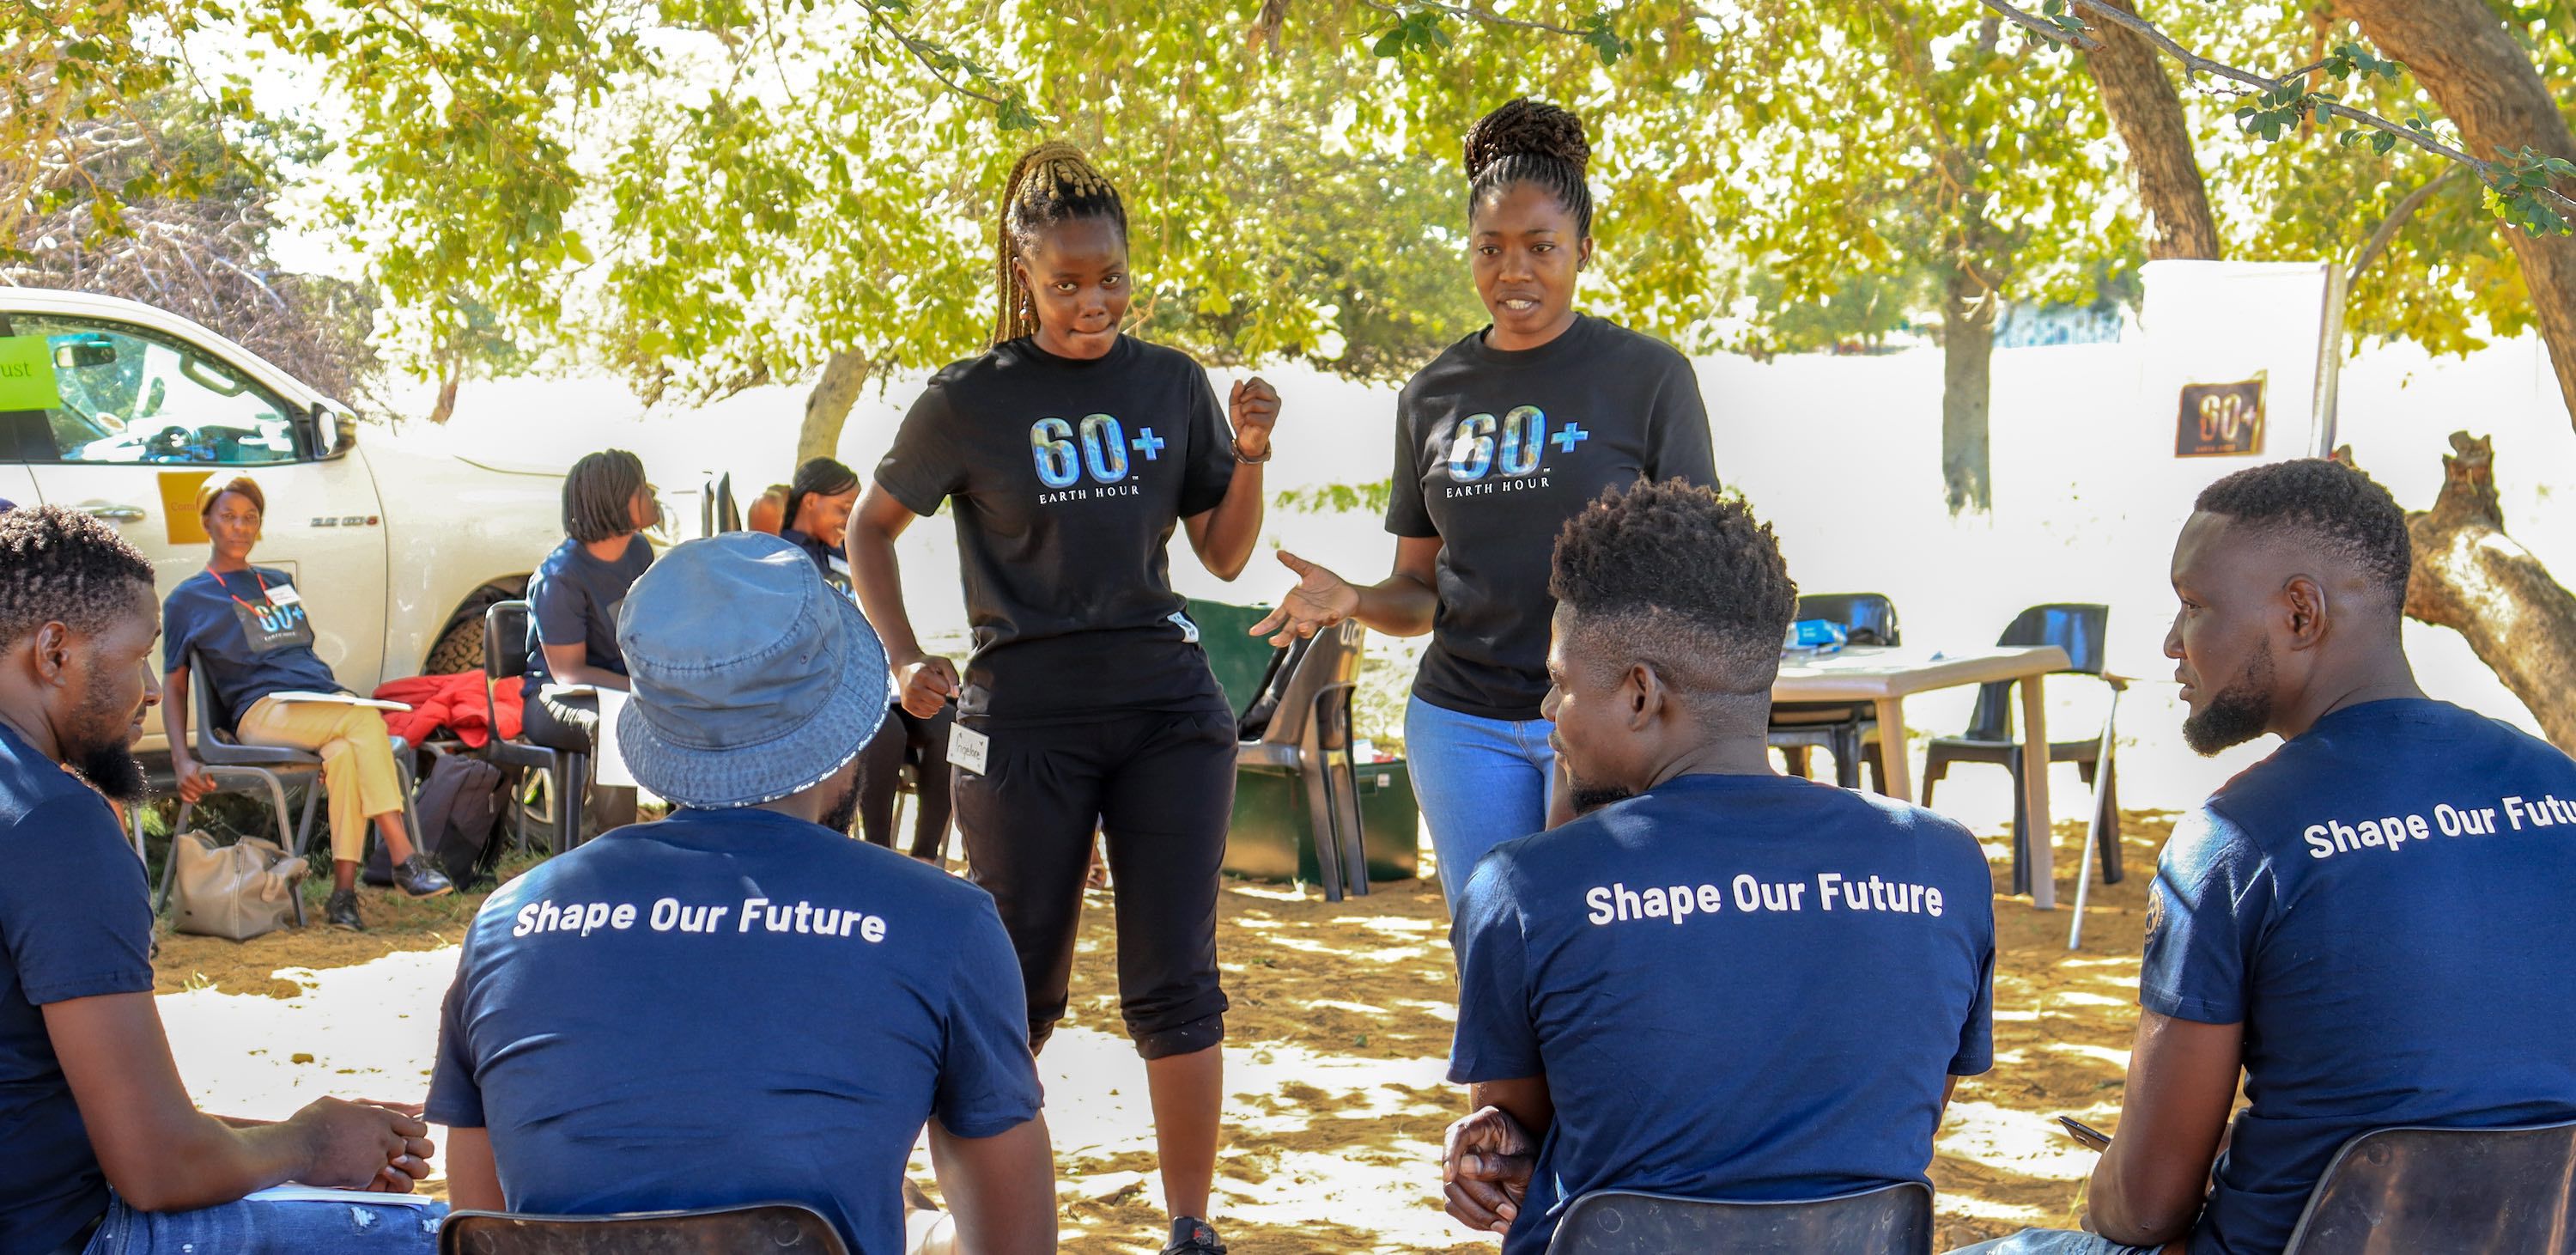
1485, 1163
1320, 600
1254, 407
927, 685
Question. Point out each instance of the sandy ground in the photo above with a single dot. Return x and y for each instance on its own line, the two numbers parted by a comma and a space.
1339, 1034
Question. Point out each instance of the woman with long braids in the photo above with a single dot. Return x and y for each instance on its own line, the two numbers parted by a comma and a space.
1071, 451
1498, 442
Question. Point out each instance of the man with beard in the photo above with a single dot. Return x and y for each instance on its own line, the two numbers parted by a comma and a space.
1720, 982
2370, 925
100, 1148
739, 1003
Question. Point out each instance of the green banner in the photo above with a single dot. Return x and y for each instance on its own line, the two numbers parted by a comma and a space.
27, 374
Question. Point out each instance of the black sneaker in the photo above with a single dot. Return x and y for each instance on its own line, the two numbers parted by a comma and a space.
1193, 1236
418, 879
341, 910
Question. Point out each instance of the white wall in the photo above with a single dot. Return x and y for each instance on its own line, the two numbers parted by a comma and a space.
1841, 454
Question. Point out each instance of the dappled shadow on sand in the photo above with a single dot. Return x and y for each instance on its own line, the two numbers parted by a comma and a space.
1340, 1032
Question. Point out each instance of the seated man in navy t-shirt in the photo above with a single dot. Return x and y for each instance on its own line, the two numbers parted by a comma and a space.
100, 1148
2371, 925
1720, 982
739, 1003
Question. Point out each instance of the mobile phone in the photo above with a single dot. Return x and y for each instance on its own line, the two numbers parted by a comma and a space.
2091, 1138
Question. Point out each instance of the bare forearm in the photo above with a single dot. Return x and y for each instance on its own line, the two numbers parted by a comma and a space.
1399, 605
1000, 1189
596, 677
1226, 539
208, 1162
878, 576
174, 715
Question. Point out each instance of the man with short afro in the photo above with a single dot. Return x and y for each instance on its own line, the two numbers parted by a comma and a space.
2367, 929
1718, 982
101, 1135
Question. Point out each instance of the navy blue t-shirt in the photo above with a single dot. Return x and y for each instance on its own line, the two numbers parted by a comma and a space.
75, 922
2382, 903
731, 1006
573, 599
827, 557
1739, 987
250, 631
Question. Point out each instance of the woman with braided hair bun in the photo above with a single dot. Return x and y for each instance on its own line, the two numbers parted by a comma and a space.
1071, 452
1498, 442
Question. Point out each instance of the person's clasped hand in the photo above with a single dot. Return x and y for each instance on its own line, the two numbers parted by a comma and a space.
927, 684
1253, 406
1485, 1166
363, 1146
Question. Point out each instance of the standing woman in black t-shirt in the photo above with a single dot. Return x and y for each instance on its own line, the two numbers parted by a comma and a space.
1498, 442
1071, 452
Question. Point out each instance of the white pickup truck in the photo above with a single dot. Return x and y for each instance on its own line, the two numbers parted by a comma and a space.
123, 410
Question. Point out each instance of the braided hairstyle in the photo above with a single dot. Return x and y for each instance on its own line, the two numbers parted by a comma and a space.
598, 495
1530, 141
1052, 183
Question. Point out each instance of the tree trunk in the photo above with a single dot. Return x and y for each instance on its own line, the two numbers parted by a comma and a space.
2473, 579
827, 407
1968, 312
2148, 115
2462, 54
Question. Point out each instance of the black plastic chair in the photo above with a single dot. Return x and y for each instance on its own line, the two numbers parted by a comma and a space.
217, 751
1889, 1220
1300, 724
505, 660
2078, 628
744, 1230
2465, 1191
1846, 730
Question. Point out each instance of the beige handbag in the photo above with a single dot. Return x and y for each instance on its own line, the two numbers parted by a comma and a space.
235, 891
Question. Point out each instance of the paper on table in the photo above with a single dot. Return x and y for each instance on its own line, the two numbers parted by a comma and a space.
611, 764
345, 699
317, 1194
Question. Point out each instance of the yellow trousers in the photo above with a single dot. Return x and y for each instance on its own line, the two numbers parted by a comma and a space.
357, 760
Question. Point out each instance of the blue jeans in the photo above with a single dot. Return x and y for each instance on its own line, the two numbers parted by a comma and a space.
263, 1227
2053, 1242
1481, 782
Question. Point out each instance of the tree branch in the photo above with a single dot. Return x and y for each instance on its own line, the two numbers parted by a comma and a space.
878, 19
1472, 13
2045, 29
2396, 218
2194, 63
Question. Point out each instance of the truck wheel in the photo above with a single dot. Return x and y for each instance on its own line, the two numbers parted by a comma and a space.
460, 648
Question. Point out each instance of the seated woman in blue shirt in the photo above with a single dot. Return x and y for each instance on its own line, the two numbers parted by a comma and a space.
572, 603
247, 626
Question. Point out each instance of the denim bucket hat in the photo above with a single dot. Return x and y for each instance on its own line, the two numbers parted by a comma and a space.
752, 679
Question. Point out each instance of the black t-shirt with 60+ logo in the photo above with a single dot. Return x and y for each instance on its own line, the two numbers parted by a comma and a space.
1494, 450
1069, 478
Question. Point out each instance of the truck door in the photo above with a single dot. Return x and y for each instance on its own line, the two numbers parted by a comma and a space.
142, 418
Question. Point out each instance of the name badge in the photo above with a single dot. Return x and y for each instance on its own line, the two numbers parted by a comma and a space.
285, 595
968, 748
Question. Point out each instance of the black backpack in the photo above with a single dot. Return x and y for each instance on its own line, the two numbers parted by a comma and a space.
461, 807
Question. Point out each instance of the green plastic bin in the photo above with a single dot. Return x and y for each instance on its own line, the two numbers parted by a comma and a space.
1238, 658
1272, 837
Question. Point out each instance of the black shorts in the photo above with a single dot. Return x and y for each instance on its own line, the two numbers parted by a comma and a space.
1161, 785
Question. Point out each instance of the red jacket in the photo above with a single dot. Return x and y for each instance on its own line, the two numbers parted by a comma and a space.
453, 702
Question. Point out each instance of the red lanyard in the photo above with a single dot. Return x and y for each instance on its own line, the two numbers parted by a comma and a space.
228, 592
